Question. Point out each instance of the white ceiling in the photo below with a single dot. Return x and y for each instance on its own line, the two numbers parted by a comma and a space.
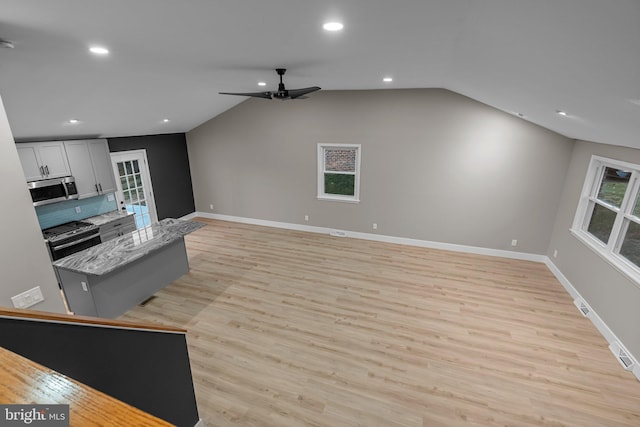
170, 58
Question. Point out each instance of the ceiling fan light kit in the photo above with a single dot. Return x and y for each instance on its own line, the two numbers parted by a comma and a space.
282, 93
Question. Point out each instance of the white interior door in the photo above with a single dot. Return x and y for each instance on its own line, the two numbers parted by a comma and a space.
133, 180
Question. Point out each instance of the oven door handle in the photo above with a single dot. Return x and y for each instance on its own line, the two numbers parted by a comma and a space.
75, 242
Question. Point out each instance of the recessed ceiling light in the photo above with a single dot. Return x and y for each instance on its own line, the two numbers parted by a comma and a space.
73, 121
99, 50
262, 84
165, 120
387, 79
561, 113
333, 26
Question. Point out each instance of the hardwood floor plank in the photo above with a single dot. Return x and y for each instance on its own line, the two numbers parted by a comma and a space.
290, 328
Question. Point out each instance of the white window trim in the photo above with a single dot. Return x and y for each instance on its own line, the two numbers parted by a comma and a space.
337, 197
608, 252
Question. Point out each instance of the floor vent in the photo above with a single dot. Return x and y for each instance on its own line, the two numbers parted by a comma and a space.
147, 301
337, 233
625, 360
584, 308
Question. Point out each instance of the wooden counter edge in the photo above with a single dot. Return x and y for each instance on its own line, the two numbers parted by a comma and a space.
45, 316
23, 381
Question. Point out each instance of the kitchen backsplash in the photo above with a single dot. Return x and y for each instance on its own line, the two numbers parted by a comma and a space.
59, 213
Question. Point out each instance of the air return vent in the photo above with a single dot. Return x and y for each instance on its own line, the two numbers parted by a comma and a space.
623, 357
582, 306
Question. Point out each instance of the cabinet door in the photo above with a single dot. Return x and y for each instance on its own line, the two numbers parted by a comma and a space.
117, 228
81, 168
128, 228
29, 160
101, 160
53, 158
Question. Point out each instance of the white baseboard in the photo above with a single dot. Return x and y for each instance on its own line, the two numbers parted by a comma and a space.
375, 237
190, 216
602, 327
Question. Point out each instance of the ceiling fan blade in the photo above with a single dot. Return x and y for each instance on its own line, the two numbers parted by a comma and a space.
266, 95
297, 93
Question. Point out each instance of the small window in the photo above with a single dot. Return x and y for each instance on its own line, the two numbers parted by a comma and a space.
608, 215
339, 172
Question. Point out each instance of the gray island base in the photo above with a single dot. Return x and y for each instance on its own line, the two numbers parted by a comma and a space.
109, 279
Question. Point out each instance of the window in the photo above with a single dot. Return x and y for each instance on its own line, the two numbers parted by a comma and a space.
339, 172
608, 215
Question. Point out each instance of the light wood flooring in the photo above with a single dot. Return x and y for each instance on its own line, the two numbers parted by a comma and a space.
289, 328
23, 381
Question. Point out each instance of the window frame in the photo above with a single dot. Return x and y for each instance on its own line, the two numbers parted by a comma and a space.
322, 195
609, 251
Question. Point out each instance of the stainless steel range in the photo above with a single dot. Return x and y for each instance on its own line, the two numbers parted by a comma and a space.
71, 237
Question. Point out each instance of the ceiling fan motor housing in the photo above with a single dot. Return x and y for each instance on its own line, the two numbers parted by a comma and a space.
281, 93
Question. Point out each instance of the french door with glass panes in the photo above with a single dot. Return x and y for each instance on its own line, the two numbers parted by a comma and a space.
135, 193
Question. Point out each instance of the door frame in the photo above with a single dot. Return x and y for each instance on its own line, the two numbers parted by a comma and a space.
120, 156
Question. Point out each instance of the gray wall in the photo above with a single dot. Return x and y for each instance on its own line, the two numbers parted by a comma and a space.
169, 170
24, 261
610, 293
436, 166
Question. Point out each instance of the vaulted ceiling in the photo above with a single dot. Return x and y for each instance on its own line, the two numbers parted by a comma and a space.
168, 59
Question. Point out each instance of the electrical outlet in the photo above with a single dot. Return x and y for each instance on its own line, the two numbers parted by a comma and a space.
78, 209
555, 253
306, 217
28, 298
514, 242
211, 206
110, 197
375, 226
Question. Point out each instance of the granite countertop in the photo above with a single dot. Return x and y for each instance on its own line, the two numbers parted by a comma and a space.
114, 254
108, 217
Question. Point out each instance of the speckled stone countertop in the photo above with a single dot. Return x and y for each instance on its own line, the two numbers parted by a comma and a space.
117, 253
107, 217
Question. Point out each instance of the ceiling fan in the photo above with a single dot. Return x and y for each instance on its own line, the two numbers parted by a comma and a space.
281, 93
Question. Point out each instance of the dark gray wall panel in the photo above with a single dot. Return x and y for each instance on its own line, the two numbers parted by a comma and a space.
146, 369
169, 168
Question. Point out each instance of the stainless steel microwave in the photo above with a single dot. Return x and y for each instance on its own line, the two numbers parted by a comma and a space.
53, 190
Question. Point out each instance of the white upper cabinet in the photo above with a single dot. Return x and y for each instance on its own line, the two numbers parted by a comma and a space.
30, 165
101, 161
80, 162
43, 160
91, 167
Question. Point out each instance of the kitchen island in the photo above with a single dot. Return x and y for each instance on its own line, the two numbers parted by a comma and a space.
108, 279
